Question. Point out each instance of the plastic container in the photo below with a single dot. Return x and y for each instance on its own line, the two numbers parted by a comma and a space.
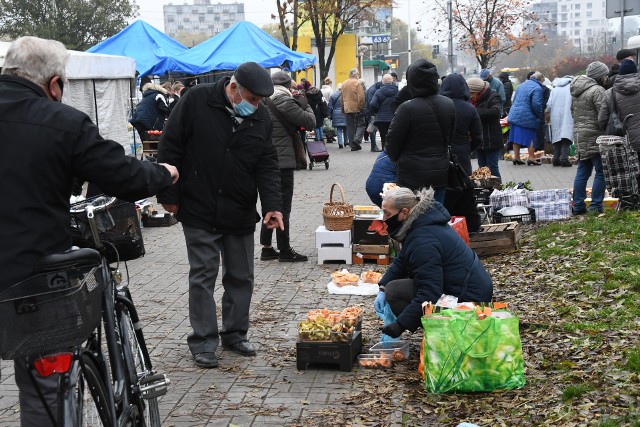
396, 350
482, 195
376, 361
529, 218
341, 336
315, 335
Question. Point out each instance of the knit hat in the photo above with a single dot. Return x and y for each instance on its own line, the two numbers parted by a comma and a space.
627, 66
597, 69
485, 73
624, 53
253, 77
476, 84
281, 78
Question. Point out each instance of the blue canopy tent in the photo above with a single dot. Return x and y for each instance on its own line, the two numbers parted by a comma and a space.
142, 42
240, 43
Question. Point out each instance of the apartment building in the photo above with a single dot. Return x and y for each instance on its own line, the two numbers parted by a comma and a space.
201, 17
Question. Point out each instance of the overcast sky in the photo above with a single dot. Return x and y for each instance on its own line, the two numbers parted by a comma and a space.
255, 11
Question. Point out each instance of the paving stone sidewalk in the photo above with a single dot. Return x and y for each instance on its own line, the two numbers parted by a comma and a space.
267, 389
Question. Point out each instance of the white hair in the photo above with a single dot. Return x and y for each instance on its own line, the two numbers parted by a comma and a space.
353, 72
36, 59
401, 197
538, 76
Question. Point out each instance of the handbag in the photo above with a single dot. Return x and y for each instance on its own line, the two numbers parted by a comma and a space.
298, 148
472, 351
614, 125
457, 178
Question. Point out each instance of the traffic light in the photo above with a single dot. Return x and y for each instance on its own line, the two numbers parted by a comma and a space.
436, 50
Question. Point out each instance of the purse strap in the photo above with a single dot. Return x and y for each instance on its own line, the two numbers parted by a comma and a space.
615, 101
285, 123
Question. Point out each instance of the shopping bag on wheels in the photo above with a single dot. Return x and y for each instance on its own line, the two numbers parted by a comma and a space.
467, 351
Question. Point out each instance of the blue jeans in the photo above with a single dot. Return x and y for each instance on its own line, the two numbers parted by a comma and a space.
341, 132
585, 167
319, 134
489, 158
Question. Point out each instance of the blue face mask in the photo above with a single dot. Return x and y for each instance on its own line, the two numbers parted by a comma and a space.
244, 108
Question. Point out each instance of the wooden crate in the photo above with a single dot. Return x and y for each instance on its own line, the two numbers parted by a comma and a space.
371, 249
495, 239
370, 259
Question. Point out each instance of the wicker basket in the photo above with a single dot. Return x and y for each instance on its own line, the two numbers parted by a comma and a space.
338, 216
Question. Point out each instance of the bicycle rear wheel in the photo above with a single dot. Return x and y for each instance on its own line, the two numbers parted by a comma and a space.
137, 369
91, 395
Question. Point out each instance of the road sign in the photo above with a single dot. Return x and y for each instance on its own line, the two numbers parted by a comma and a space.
614, 9
380, 38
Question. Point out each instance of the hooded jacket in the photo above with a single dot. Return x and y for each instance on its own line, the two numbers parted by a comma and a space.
437, 259
335, 109
318, 106
45, 144
627, 87
587, 96
468, 131
380, 105
559, 107
153, 109
421, 130
221, 169
526, 110
296, 116
508, 91
383, 171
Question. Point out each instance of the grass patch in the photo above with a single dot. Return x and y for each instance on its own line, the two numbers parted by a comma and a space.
633, 360
576, 391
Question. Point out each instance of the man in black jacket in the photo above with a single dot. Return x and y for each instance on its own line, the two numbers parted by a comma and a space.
508, 92
219, 135
45, 144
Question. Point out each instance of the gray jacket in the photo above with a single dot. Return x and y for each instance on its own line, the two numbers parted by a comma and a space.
627, 89
585, 106
297, 116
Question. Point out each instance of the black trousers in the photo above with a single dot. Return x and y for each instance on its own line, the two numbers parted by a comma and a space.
463, 203
399, 293
383, 128
282, 236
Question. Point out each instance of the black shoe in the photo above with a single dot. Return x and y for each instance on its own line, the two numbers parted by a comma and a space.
375, 150
356, 148
556, 163
533, 163
243, 348
291, 255
340, 146
268, 254
566, 164
518, 162
206, 360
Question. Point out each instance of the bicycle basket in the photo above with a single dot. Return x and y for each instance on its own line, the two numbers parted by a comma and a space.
50, 312
119, 229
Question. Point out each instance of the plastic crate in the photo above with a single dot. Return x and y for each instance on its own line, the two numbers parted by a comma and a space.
529, 218
158, 220
482, 195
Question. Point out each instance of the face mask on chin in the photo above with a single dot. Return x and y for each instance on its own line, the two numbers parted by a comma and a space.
393, 224
244, 108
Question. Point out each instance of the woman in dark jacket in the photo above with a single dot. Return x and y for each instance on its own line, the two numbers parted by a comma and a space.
420, 132
508, 91
151, 111
319, 107
488, 104
380, 107
383, 171
434, 260
338, 120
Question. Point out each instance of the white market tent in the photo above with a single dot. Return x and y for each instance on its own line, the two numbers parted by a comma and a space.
100, 86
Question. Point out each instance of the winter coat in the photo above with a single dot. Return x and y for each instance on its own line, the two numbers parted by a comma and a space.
369, 96
221, 170
587, 96
383, 171
438, 261
488, 106
508, 91
326, 92
335, 110
296, 116
526, 110
559, 107
497, 86
627, 87
468, 131
45, 144
353, 96
421, 131
153, 109
380, 105
403, 95
317, 104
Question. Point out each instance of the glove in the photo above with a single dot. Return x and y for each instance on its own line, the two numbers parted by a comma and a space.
379, 302
394, 330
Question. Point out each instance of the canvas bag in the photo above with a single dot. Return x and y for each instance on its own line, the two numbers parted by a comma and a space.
462, 353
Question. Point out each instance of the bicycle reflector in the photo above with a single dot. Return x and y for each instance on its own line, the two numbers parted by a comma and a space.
55, 363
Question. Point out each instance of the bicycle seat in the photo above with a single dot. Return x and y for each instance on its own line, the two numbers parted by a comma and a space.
84, 257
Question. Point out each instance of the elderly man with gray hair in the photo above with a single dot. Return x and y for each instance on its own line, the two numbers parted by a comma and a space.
45, 145
352, 103
434, 260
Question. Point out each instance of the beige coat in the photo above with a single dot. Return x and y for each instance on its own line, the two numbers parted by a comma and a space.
352, 100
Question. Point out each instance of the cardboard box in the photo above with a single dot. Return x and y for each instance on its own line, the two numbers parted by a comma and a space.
371, 249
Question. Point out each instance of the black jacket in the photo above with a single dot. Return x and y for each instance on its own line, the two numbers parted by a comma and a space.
152, 110
402, 96
468, 133
488, 106
221, 171
45, 145
421, 130
508, 91
317, 104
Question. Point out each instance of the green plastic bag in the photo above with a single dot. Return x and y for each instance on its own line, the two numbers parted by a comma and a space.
464, 354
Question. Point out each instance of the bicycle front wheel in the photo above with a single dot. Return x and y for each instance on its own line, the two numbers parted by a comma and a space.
137, 369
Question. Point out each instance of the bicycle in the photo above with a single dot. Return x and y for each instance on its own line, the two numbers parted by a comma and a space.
75, 307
